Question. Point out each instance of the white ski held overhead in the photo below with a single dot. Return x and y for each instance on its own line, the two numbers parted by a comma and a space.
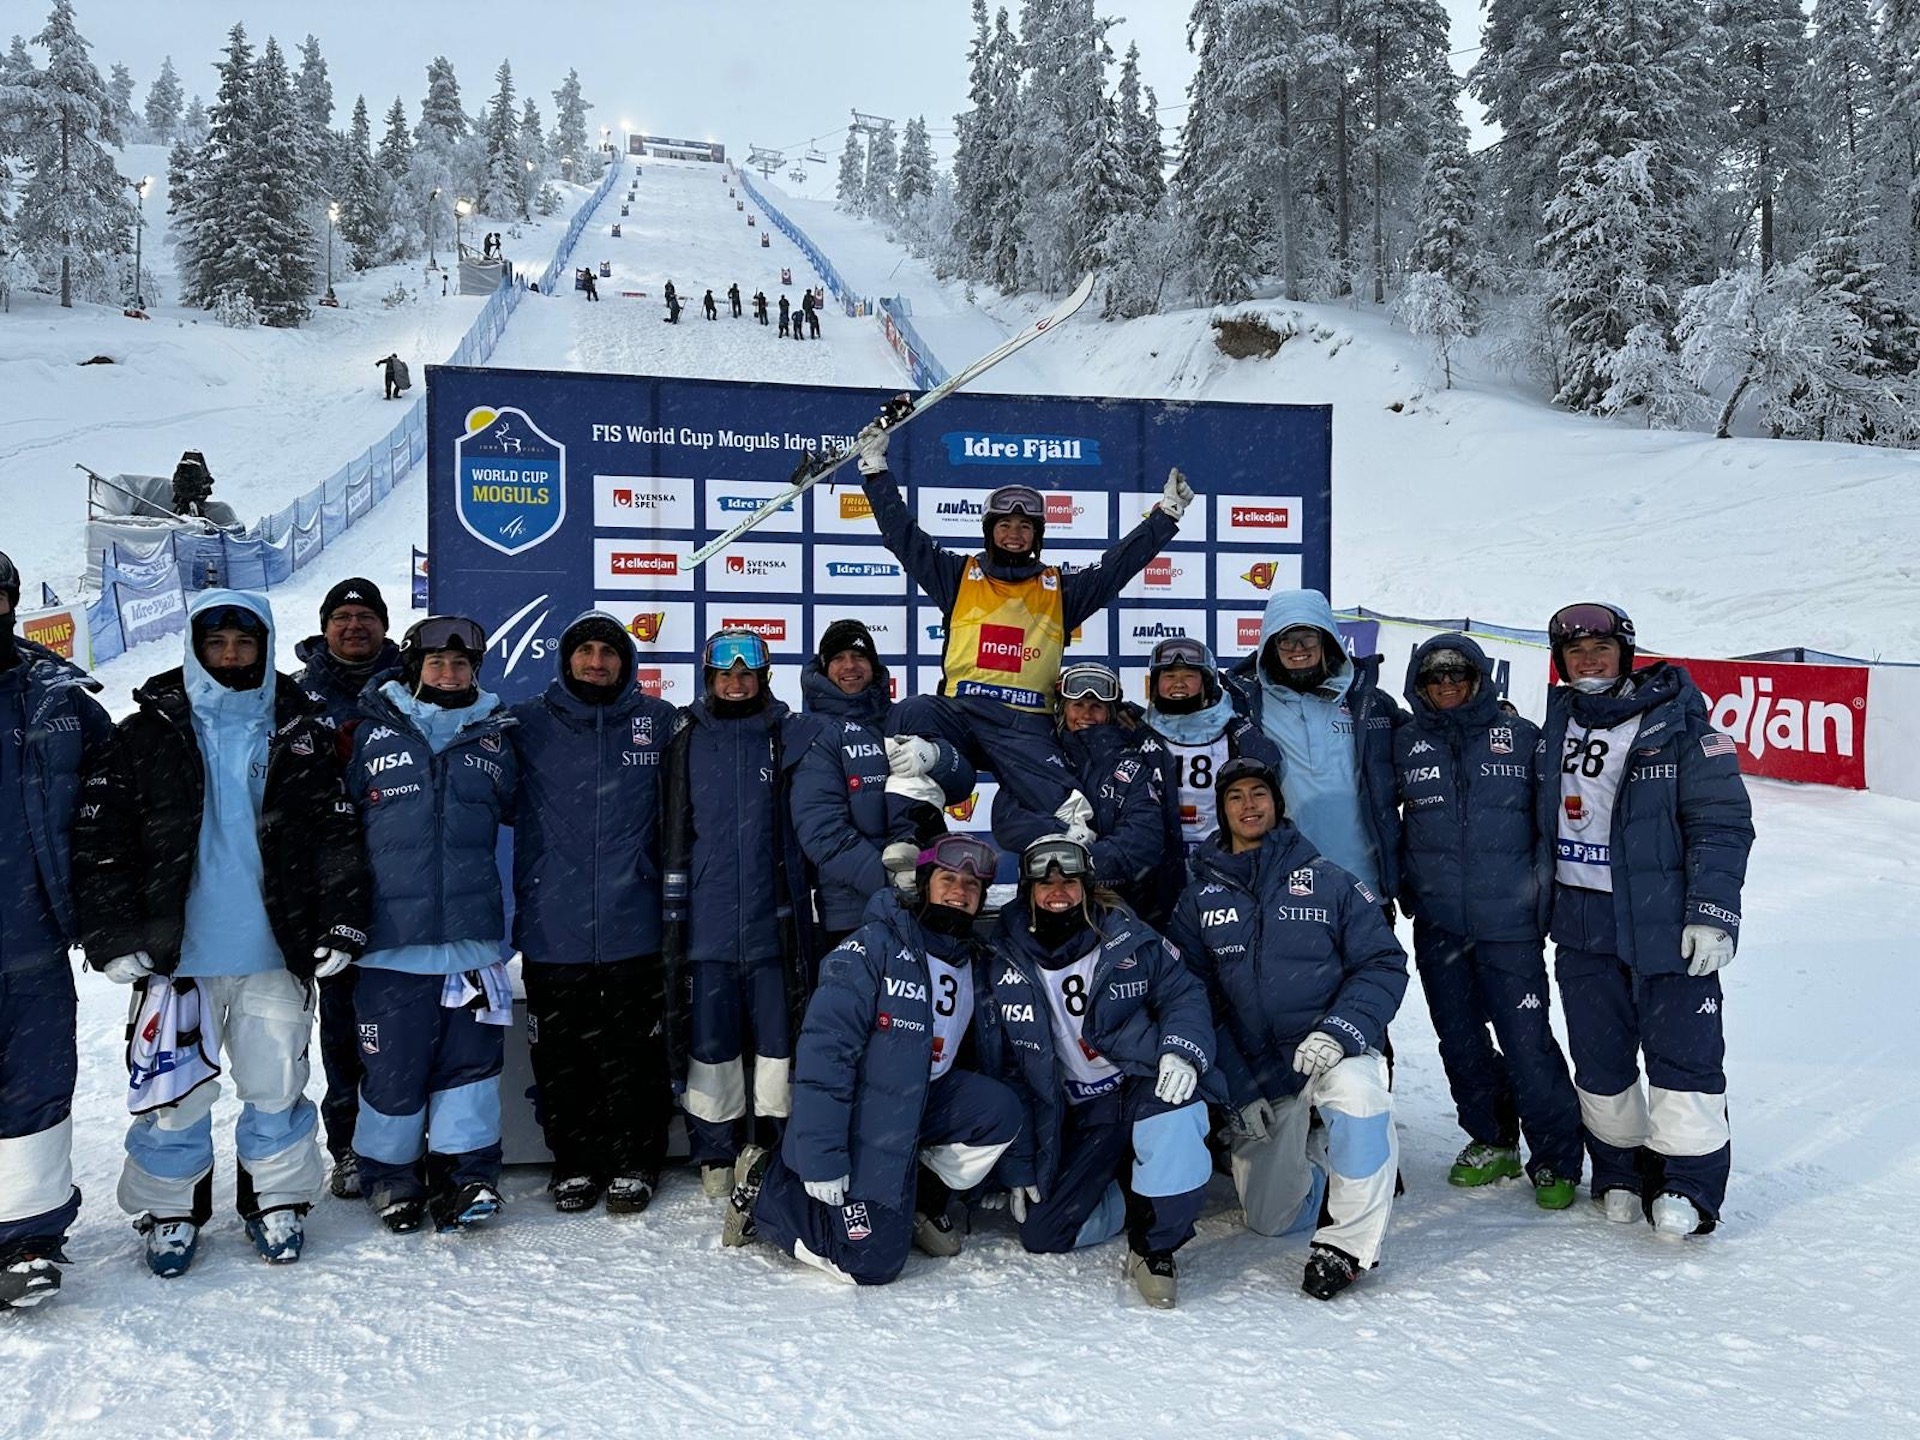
813, 470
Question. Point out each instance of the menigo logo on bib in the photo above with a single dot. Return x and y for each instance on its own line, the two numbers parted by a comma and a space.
1790, 722
1004, 647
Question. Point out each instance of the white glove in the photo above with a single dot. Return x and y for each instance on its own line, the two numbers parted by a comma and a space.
909, 755
125, 969
923, 788
329, 962
829, 1192
1176, 1080
1020, 1198
1076, 809
872, 445
1178, 495
1709, 949
1318, 1053
1257, 1120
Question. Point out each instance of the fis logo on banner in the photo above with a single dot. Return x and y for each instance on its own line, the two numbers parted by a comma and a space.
510, 480
983, 448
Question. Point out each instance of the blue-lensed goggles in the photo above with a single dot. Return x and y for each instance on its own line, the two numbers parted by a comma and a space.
736, 647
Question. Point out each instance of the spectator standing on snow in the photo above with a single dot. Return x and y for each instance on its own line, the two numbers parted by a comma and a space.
1304, 974
51, 730
1472, 878
586, 875
391, 367
812, 309
351, 649
785, 309
733, 299
737, 939
219, 866
673, 304
1647, 822
434, 776
760, 306
592, 287
712, 310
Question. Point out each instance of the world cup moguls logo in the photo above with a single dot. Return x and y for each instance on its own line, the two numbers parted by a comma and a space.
511, 480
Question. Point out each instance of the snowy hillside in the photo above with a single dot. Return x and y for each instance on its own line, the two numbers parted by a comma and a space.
1488, 1315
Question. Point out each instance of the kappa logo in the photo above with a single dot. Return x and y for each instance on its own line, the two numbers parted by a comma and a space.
1011, 977
1421, 747
1708, 1006
1529, 1001
1300, 882
379, 732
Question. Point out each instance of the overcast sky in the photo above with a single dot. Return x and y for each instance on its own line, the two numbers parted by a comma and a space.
739, 71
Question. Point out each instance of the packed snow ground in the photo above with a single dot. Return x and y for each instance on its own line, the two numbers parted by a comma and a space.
1487, 1315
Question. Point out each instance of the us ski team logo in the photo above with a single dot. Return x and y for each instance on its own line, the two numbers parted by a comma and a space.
1500, 740
510, 480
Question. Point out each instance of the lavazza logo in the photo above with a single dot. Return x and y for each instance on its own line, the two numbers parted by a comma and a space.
772, 631
1159, 630
633, 562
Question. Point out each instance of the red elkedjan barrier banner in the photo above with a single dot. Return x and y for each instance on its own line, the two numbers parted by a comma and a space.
1789, 722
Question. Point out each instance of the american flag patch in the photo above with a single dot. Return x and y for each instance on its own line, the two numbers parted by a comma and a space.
854, 1217
1718, 743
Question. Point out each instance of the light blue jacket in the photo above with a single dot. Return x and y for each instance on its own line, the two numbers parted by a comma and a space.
227, 928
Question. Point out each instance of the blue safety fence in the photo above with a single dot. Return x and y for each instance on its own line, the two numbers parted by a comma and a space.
918, 357
141, 593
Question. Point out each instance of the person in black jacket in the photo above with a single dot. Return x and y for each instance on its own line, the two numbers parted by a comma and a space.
811, 310
219, 866
738, 938
786, 310
760, 306
733, 298
350, 650
51, 730
707, 304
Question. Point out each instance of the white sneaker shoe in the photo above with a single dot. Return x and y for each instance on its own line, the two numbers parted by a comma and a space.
1675, 1216
1622, 1207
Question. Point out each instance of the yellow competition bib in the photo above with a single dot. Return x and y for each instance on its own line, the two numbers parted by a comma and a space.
1005, 638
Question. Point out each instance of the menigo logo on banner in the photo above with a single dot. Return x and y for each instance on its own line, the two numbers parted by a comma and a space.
1141, 630
673, 683
1171, 575
758, 568
1261, 519
783, 627
641, 563
857, 570
731, 501
642, 502
510, 480
1234, 636
1251, 575
657, 627
1790, 722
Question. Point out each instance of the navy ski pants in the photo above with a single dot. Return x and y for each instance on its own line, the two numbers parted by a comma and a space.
39, 1064
738, 1017
1515, 1079
340, 1059
1015, 746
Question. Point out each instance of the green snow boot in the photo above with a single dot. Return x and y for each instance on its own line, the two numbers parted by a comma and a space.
1552, 1191
1480, 1164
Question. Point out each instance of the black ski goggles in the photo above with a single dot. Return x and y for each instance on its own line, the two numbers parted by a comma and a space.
1016, 500
229, 617
1449, 675
736, 647
446, 632
1575, 622
1055, 852
964, 855
1089, 682
1180, 651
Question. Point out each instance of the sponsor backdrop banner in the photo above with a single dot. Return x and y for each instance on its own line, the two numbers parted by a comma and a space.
1789, 722
60, 628
552, 493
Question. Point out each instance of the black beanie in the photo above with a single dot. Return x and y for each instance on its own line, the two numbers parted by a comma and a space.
596, 625
354, 591
848, 635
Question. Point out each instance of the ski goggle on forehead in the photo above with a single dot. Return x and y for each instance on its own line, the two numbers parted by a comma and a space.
736, 647
1016, 500
1180, 651
1571, 622
1089, 682
1044, 856
963, 855
447, 632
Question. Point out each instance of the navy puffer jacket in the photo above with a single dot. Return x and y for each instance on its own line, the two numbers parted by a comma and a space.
1286, 943
1470, 856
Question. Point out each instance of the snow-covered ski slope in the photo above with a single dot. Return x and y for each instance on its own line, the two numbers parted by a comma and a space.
1488, 1316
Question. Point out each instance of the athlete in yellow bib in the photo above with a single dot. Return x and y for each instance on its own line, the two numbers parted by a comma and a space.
1008, 617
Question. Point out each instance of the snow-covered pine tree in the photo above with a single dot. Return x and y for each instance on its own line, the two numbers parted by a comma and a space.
75, 213
1898, 172
883, 171
1619, 240
205, 199
440, 112
194, 123
972, 165
1406, 94
362, 221
1140, 134
15, 109
276, 235
164, 102
1521, 43
851, 190
916, 165
569, 140
120, 100
1765, 177
1101, 179
533, 146
396, 147
313, 101
503, 189
1445, 264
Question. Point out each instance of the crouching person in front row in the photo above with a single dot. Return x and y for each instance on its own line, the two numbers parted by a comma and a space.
890, 1111
219, 866
434, 778
1304, 975
1110, 1041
